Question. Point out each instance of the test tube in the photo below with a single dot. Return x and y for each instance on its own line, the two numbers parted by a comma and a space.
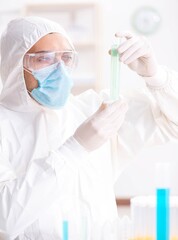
163, 201
114, 91
115, 71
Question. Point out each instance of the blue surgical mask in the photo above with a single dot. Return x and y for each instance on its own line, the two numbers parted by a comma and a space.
54, 86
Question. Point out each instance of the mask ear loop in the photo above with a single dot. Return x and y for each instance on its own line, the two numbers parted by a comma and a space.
27, 70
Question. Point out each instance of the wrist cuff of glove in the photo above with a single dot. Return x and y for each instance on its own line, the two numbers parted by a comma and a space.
157, 80
72, 151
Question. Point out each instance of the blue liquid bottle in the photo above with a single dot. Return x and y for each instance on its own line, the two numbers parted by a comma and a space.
163, 201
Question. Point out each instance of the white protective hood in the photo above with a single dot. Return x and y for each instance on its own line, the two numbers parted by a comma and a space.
21, 34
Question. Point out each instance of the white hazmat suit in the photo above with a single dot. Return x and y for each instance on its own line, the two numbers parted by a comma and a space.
46, 176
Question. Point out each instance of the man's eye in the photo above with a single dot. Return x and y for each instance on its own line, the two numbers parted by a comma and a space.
66, 57
44, 59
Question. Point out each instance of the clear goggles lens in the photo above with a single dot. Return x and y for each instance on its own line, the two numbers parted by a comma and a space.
36, 61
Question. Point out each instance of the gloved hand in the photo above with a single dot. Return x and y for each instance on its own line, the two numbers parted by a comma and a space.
137, 53
101, 126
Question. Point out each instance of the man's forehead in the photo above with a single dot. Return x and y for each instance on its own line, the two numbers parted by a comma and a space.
51, 42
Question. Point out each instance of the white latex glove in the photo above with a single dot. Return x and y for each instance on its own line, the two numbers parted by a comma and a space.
137, 53
102, 125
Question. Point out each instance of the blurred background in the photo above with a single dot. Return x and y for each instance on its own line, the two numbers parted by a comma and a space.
92, 25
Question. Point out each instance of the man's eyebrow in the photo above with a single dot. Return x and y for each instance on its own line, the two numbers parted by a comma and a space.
42, 51
48, 51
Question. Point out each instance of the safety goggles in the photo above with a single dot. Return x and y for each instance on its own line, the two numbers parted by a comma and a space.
36, 61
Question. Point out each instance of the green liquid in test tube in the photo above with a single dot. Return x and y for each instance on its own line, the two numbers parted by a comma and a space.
115, 72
